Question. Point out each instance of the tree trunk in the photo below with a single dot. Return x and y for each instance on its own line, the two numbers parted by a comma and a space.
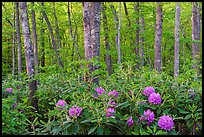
158, 39
71, 33
29, 55
142, 42
107, 56
57, 28
13, 45
52, 37
136, 7
118, 30
42, 43
18, 40
35, 46
95, 35
176, 48
195, 36
126, 13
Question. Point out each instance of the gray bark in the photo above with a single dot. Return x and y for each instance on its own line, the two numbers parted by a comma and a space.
95, 34
158, 39
13, 45
136, 7
117, 35
142, 42
195, 36
72, 35
56, 27
52, 37
35, 46
106, 39
29, 55
176, 47
18, 40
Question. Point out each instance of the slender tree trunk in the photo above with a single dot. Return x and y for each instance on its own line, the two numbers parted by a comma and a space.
95, 35
119, 26
57, 28
107, 56
29, 55
126, 13
13, 45
52, 37
158, 39
176, 47
35, 46
18, 40
71, 33
136, 7
142, 42
42, 43
117, 35
195, 36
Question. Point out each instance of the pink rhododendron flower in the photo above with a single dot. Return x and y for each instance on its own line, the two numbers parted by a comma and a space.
108, 114
75, 111
113, 93
149, 116
9, 90
130, 121
165, 122
60, 103
148, 90
100, 91
155, 98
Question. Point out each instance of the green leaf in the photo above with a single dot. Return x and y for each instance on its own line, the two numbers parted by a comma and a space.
143, 132
182, 111
85, 121
149, 130
155, 129
92, 130
100, 131
75, 128
56, 130
187, 117
160, 132
67, 125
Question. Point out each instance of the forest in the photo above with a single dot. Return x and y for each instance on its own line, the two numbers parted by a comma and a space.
101, 68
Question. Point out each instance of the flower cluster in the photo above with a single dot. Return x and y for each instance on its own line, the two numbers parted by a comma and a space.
100, 91
113, 93
109, 112
9, 90
130, 121
60, 104
149, 116
165, 122
148, 91
75, 111
155, 98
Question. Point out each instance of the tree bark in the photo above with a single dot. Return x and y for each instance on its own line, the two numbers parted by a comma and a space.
158, 39
35, 46
142, 42
57, 27
95, 35
42, 43
126, 13
29, 55
13, 45
18, 40
52, 37
106, 39
195, 36
176, 47
136, 7
71, 33
117, 35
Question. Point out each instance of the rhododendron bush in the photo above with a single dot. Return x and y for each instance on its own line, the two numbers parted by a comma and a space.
145, 103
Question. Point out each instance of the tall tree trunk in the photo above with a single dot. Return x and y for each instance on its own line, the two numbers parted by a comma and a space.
117, 35
57, 27
158, 39
42, 43
95, 35
119, 26
13, 44
107, 56
35, 46
18, 40
52, 37
126, 13
71, 33
29, 55
136, 7
195, 36
142, 42
176, 47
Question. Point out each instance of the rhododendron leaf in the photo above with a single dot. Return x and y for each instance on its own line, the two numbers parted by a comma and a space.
85, 121
92, 130
188, 116
75, 128
100, 131
160, 132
